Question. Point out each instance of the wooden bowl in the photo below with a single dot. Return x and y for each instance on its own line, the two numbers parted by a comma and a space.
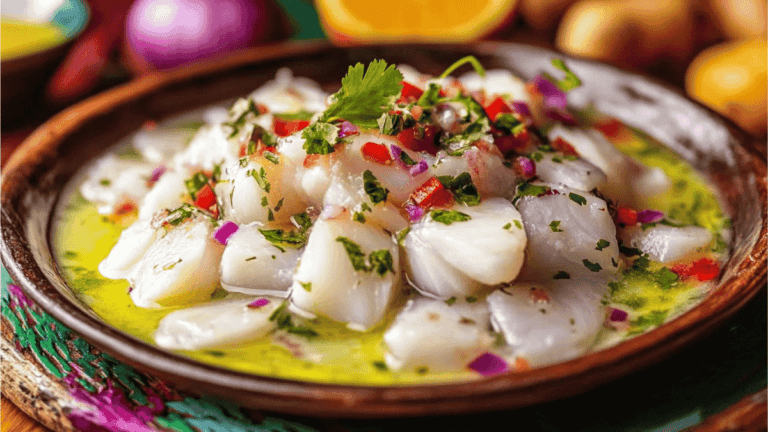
35, 175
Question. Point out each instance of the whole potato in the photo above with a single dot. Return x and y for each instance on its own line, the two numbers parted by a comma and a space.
732, 78
634, 33
738, 19
543, 14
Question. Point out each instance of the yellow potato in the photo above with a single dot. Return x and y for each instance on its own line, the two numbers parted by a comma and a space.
739, 19
732, 78
543, 14
634, 33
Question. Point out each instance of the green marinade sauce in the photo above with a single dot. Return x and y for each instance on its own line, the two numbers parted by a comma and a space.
83, 238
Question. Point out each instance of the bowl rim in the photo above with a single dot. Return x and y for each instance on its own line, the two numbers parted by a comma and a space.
344, 400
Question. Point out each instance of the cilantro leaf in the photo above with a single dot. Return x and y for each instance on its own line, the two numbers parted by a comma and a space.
461, 62
449, 216
320, 138
578, 199
561, 275
354, 252
602, 244
555, 226
571, 81
365, 95
462, 188
379, 261
295, 239
593, 267
376, 192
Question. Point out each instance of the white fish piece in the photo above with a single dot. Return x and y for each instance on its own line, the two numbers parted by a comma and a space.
346, 192
134, 241
311, 181
287, 93
111, 179
430, 333
566, 236
489, 175
252, 265
252, 189
220, 324
577, 174
497, 81
550, 322
209, 147
412, 76
627, 178
665, 243
327, 283
180, 268
166, 193
395, 178
159, 145
489, 248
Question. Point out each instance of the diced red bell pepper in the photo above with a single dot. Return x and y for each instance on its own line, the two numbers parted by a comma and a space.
286, 127
509, 143
311, 160
704, 269
375, 152
205, 198
497, 106
611, 127
432, 193
419, 138
626, 216
564, 146
124, 207
410, 93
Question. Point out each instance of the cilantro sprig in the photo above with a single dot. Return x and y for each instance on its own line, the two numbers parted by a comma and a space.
379, 261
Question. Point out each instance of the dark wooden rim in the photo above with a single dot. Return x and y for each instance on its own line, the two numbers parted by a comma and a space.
326, 400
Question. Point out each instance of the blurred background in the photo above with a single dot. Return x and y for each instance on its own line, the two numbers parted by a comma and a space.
56, 52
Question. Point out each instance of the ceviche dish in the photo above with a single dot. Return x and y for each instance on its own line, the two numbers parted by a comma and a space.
405, 229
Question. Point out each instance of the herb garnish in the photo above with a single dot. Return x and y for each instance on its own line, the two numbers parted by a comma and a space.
555, 226
593, 267
379, 261
320, 138
602, 244
561, 275
578, 199
376, 192
462, 188
449, 216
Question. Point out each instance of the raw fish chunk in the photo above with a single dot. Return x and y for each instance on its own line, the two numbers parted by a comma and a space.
327, 283
665, 243
551, 322
430, 333
167, 193
488, 249
252, 265
128, 251
570, 234
223, 323
497, 81
489, 174
577, 174
345, 195
208, 148
111, 180
287, 93
159, 145
180, 268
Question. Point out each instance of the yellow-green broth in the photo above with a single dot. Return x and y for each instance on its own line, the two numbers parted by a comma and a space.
83, 238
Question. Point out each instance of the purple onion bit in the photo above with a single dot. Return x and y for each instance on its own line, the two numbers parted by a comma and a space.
419, 168
225, 231
489, 364
414, 212
522, 108
346, 129
158, 172
618, 315
396, 151
258, 303
553, 96
561, 116
524, 167
649, 216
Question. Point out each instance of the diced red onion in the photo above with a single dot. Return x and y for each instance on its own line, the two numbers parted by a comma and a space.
258, 303
489, 364
419, 168
414, 212
225, 231
331, 211
524, 167
522, 108
346, 129
158, 172
649, 216
396, 152
618, 315
553, 96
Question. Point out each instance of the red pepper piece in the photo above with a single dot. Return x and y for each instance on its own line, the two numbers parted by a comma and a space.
705, 269
286, 127
509, 143
419, 138
432, 193
497, 106
626, 216
375, 152
611, 128
410, 93
311, 160
564, 146
205, 198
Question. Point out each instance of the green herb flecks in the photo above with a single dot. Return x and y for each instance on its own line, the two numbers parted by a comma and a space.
593, 267
602, 244
578, 199
448, 217
555, 226
462, 188
376, 192
379, 261
319, 138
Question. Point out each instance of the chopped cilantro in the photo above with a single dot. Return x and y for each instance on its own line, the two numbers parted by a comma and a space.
450, 301
665, 278
195, 183
272, 157
307, 286
180, 214
279, 204
507, 226
571, 81
641, 263
320, 138
105, 182
449, 216
518, 224
376, 192
462, 188
261, 178
593, 267
292, 239
527, 189
430, 97
401, 235
264, 201
578, 199
407, 159
250, 258
561, 275
393, 124
296, 115
557, 160
555, 226
282, 318
471, 299
379, 261
629, 251
508, 123
358, 217
365, 94
537, 156
380, 365
602, 244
